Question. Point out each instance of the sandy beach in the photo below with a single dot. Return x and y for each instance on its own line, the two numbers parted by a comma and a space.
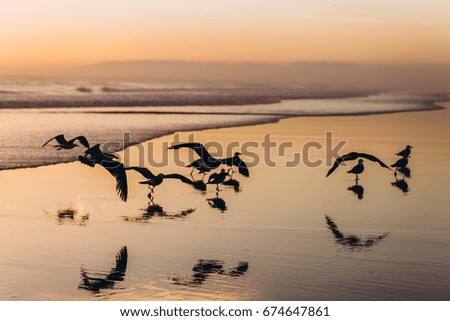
63, 224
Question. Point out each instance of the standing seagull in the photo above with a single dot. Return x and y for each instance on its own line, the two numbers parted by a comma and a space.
65, 144
218, 178
358, 169
94, 155
353, 156
406, 152
400, 164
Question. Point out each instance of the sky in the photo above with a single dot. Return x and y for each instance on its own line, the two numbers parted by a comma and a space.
76, 32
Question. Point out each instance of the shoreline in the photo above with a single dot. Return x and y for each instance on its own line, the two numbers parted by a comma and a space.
433, 105
122, 99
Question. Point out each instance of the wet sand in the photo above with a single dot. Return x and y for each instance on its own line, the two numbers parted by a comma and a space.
277, 223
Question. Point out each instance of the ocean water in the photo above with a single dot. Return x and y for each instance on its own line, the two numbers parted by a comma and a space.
24, 130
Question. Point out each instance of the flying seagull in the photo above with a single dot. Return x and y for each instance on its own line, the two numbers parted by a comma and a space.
218, 178
238, 162
94, 155
406, 152
63, 143
207, 163
353, 156
155, 180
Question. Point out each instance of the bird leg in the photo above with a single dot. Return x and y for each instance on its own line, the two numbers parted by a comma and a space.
356, 179
232, 172
151, 196
395, 172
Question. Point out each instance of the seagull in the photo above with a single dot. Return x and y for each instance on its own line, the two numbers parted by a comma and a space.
205, 163
358, 169
94, 155
238, 162
405, 152
353, 156
218, 178
65, 144
155, 180
400, 164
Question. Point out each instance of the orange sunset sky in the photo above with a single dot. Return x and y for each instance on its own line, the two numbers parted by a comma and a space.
63, 32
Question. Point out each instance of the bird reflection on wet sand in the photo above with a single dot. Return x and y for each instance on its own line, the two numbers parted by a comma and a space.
358, 190
156, 211
69, 216
205, 268
401, 184
98, 281
352, 241
218, 203
233, 183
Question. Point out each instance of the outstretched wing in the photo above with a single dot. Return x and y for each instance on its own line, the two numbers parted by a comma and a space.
182, 178
239, 163
93, 151
374, 159
353, 156
212, 177
118, 171
83, 141
86, 161
243, 169
143, 171
59, 138
196, 147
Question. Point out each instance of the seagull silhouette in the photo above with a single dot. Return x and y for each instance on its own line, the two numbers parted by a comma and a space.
207, 163
400, 164
358, 169
65, 144
218, 178
238, 162
94, 155
405, 152
353, 156
155, 180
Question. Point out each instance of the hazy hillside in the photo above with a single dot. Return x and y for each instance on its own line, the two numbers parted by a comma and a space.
425, 77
